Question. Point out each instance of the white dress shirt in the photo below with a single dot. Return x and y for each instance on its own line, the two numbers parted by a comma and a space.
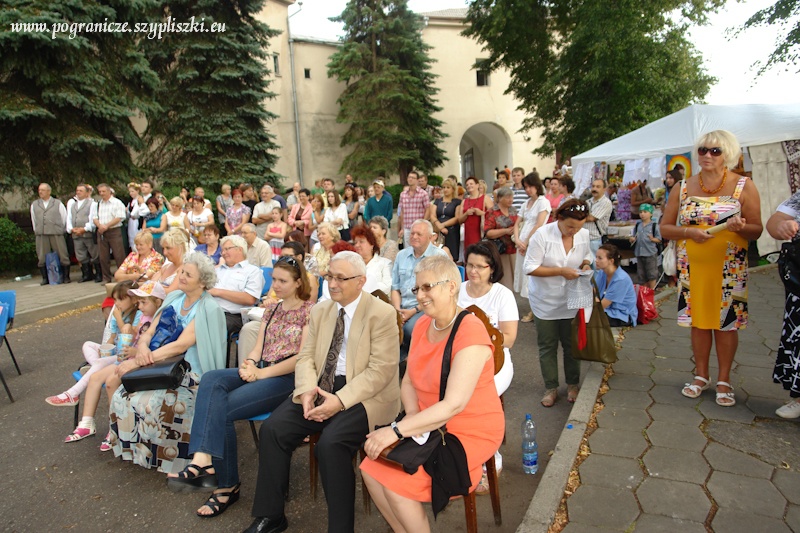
349, 312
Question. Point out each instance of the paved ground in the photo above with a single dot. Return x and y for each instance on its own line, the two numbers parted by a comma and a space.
663, 462
50, 486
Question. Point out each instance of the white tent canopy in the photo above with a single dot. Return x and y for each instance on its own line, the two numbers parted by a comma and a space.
756, 126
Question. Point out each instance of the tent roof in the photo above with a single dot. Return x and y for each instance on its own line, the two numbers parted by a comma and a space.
752, 124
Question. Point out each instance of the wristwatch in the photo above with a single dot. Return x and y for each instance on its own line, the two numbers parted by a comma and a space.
397, 431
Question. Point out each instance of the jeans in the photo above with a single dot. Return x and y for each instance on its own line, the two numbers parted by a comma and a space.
224, 397
408, 327
549, 333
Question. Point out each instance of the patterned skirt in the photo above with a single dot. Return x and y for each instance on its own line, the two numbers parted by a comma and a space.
787, 363
152, 428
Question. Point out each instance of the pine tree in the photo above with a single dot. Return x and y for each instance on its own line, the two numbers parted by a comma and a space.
389, 101
212, 127
66, 99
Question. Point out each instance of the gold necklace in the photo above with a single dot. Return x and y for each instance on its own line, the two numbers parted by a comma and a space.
721, 185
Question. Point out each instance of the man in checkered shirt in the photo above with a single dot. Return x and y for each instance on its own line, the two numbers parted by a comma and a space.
413, 205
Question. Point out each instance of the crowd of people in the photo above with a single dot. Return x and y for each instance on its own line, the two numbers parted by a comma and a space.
355, 326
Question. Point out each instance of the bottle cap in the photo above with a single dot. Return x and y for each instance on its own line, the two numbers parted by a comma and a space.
527, 416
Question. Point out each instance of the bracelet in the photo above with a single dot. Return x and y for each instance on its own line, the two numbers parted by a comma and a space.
397, 431
341, 402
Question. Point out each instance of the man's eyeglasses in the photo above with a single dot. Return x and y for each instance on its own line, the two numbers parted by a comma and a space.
228, 248
716, 151
338, 279
428, 287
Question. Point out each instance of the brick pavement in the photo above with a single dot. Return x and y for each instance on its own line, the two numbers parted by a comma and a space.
663, 462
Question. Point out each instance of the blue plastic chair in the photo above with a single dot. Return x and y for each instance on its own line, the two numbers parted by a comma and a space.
463, 272
8, 299
4, 312
257, 418
267, 272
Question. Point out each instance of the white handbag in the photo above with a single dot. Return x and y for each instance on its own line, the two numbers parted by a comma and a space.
669, 260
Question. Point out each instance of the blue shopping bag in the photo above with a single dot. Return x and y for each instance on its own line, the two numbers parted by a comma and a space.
53, 265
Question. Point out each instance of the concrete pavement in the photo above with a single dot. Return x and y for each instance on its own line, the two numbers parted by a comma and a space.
662, 462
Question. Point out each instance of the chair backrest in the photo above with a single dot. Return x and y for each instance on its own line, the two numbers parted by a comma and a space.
463, 272
380, 295
494, 334
319, 292
267, 272
4, 311
9, 298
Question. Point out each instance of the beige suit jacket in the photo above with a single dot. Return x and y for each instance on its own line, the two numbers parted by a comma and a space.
373, 356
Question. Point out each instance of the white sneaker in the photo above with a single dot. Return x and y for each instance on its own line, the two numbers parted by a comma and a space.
790, 410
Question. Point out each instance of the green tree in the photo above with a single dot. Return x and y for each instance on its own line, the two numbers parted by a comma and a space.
389, 100
587, 71
212, 126
786, 15
66, 100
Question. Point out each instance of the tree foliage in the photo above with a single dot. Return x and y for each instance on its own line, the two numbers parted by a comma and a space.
786, 15
587, 71
389, 100
65, 102
212, 126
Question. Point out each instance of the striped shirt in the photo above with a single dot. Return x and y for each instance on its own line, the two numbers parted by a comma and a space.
520, 197
113, 208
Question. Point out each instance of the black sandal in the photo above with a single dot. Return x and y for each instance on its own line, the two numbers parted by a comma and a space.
193, 481
217, 507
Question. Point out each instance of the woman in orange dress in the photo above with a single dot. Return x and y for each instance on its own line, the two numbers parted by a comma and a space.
471, 408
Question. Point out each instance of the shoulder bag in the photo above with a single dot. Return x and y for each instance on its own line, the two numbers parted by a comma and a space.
442, 455
167, 374
789, 266
599, 343
669, 261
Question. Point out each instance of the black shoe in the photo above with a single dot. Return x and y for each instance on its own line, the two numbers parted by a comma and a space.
43, 272
98, 273
86, 272
265, 525
65, 274
193, 478
218, 507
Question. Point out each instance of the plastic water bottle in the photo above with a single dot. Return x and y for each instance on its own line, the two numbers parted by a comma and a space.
530, 450
22, 278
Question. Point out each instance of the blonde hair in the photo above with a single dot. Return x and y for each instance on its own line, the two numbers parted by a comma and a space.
178, 200
144, 237
731, 150
441, 266
176, 238
332, 231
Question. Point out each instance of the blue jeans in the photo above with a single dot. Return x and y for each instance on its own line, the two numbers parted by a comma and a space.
224, 397
408, 327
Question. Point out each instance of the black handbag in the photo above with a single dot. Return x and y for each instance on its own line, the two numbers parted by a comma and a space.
442, 455
167, 374
789, 266
499, 244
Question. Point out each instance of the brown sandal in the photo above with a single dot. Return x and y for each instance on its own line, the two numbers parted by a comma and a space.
572, 393
550, 397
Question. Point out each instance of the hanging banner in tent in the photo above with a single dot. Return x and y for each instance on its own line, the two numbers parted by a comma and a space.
684, 160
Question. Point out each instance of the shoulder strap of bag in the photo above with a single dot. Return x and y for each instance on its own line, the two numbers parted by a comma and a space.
448, 353
272, 314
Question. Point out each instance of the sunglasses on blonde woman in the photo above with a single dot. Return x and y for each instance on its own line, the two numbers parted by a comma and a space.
716, 151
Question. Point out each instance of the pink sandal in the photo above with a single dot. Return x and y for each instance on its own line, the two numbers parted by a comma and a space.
105, 446
81, 433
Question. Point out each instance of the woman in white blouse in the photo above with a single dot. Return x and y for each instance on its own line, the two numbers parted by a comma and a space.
532, 215
379, 269
556, 253
336, 214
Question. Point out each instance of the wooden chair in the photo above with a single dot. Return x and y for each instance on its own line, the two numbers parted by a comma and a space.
470, 510
313, 439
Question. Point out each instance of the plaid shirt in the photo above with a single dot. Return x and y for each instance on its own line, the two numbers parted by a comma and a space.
413, 207
108, 211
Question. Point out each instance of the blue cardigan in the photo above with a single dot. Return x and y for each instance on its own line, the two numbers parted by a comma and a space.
621, 293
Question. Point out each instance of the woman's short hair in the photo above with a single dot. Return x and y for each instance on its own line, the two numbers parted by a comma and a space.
297, 248
178, 200
234, 192
297, 271
488, 250
205, 268
176, 238
568, 183
212, 228
153, 201
120, 290
332, 231
381, 222
304, 191
342, 246
473, 178
318, 198
443, 267
363, 231
573, 208
612, 252
532, 180
503, 192
236, 240
336, 198
354, 259
144, 237
448, 182
298, 236
725, 140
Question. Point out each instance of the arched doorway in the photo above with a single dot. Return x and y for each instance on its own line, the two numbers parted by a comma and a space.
483, 147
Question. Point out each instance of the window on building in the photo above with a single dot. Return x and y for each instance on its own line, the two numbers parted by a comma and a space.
276, 64
481, 73
307, 73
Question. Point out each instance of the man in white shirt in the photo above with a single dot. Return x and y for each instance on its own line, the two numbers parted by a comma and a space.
81, 212
600, 208
262, 212
108, 221
49, 219
294, 196
259, 252
239, 283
